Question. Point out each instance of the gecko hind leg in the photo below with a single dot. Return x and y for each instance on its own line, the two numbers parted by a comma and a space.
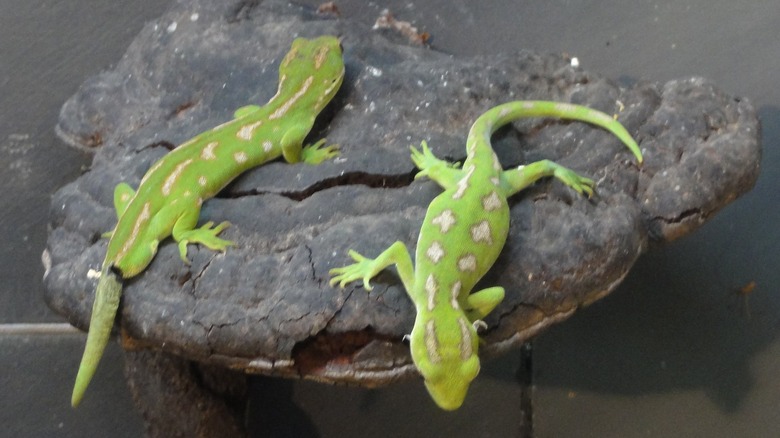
514, 180
443, 172
315, 153
479, 304
184, 233
123, 194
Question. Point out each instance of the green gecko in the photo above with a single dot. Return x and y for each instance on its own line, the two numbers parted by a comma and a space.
170, 195
462, 234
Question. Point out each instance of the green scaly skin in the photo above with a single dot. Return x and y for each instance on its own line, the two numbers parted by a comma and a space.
169, 198
462, 234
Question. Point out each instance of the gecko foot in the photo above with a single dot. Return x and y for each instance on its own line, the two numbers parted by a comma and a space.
315, 154
427, 162
581, 184
362, 268
206, 236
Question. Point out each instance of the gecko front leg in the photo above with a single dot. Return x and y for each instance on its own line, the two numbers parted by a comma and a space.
480, 303
365, 268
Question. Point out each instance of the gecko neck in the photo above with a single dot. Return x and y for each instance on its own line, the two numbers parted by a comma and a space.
292, 96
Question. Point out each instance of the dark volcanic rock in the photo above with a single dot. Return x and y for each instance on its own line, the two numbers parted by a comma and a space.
265, 306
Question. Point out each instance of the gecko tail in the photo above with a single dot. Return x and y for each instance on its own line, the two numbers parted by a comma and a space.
107, 295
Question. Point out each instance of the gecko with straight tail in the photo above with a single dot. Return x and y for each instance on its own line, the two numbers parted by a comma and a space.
170, 195
463, 232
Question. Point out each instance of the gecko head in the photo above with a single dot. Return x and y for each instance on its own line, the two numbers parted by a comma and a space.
322, 57
444, 350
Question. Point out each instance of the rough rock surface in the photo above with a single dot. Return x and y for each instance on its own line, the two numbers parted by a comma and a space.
177, 398
265, 306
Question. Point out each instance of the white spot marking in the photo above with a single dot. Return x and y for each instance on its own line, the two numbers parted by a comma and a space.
208, 152
455, 292
491, 202
495, 181
467, 263
466, 349
278, 89
431, 288
291, 101
240, 157
329, 90
445, 220
320, 56
435, 252
139, 222
463, 184
481, 233
267, 146
202, 181
247, 131
171, 180
289, 56
151, 170
431, 343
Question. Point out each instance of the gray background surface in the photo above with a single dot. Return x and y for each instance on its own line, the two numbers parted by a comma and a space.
675, 351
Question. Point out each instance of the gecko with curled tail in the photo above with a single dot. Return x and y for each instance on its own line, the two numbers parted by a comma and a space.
463, 232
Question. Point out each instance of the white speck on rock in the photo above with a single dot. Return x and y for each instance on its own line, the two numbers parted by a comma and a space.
375, 72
